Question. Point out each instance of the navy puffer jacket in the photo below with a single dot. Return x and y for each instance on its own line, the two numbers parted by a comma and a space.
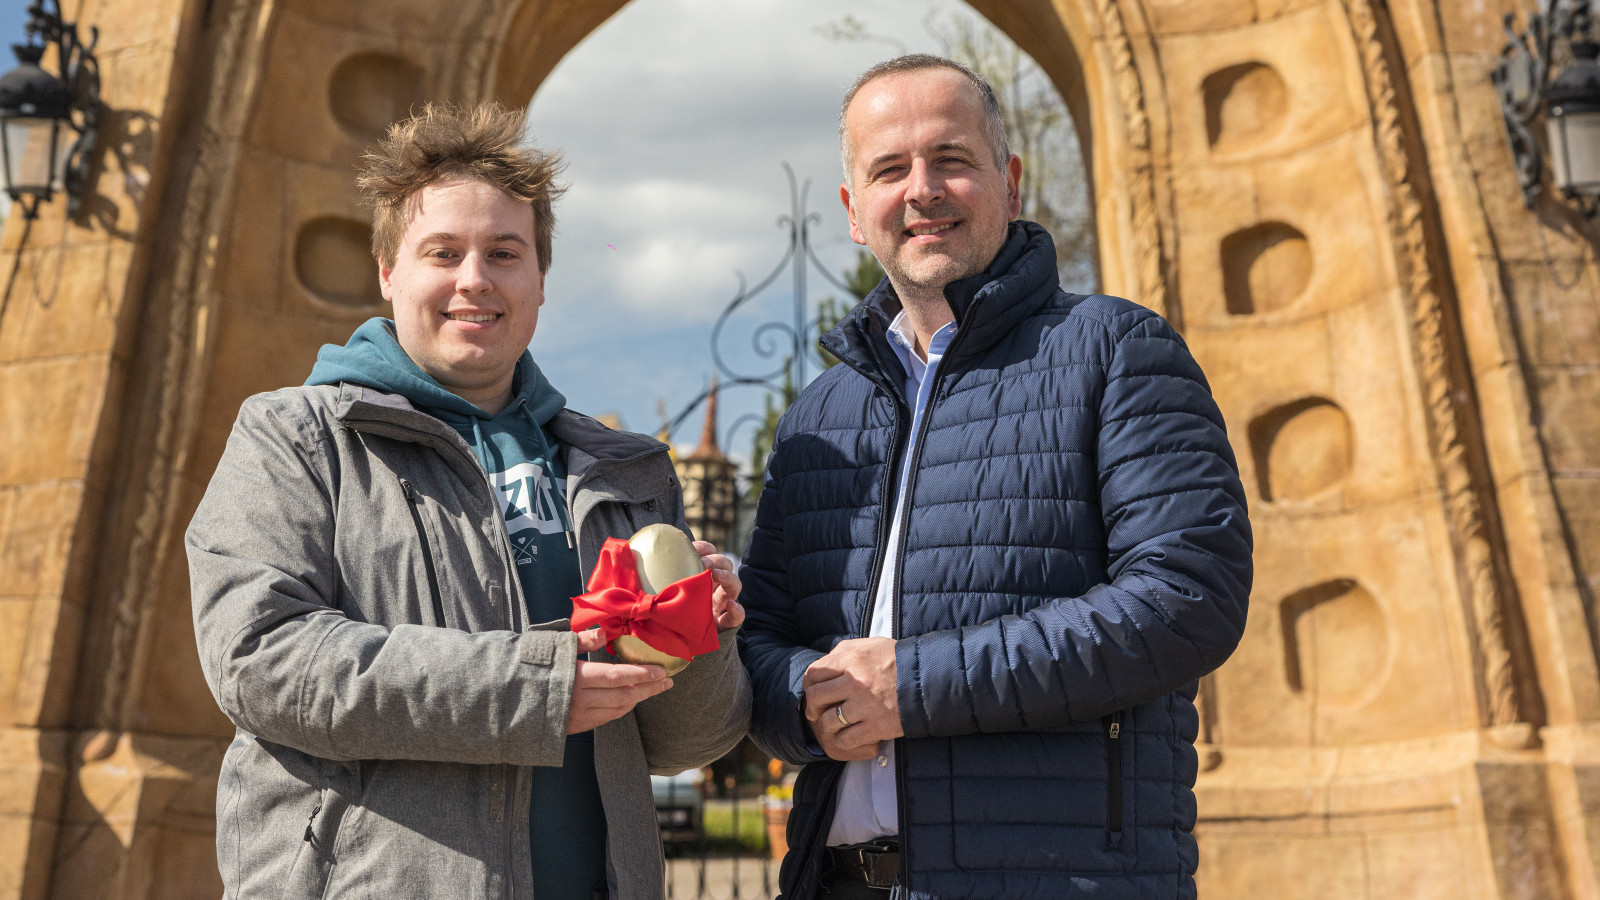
1075, 556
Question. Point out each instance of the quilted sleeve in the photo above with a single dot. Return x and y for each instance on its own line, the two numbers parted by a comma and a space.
1178, 552
769, 642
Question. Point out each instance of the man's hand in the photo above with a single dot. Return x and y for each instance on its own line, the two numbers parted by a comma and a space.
854, 684
606, 691
725, 605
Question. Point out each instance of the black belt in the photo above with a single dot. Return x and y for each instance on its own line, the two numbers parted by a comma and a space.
876, 864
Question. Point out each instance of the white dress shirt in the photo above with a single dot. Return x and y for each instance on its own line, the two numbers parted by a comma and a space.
868, 806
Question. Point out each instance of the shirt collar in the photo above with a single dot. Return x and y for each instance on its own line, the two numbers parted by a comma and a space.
904, 341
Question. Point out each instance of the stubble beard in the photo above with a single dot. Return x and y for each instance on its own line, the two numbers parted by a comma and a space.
921, 283
923, 279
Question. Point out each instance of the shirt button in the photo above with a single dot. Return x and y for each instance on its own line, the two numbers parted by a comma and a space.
883, 761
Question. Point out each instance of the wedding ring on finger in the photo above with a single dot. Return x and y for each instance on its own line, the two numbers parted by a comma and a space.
838, 713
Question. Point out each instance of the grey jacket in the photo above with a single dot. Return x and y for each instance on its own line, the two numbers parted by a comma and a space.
382, 752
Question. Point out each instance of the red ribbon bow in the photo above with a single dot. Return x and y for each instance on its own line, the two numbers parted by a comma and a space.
676, 621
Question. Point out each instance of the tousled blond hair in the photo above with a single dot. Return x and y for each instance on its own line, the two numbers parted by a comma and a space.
444, 143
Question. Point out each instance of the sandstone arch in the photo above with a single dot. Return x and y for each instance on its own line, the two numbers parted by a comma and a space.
134, 334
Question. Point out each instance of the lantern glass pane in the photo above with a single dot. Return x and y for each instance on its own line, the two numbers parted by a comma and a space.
1583, 152
31, 152
1575, 151
1556, 132
58, 168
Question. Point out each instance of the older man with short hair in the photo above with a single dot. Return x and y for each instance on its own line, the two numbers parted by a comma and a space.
995, 550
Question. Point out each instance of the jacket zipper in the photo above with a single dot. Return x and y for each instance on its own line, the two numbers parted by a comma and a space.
1113, 725
891, 489
514, 596
917, 440
427, 552
892, 498
513, 617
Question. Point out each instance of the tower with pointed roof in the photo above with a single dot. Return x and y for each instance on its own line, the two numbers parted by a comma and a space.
709, 484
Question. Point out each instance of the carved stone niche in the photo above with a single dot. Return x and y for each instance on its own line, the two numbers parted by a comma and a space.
1335, 643
370, 91
1300, 449
1246, 105
1265, 268
333, 260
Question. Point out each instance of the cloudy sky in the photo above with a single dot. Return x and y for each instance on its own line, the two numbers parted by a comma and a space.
675, 117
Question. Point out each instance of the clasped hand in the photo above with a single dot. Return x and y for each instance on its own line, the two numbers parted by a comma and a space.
850, 698
606, 691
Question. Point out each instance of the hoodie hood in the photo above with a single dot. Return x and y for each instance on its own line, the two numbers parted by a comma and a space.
373, 358
524, 467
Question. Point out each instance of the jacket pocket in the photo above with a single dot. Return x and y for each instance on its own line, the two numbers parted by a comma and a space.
647, 512
313, 864
1115, 743
413, 502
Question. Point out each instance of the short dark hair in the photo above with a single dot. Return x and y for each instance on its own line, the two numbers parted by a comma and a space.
994, 126
444, 143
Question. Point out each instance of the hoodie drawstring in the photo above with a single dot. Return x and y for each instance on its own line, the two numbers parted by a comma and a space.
549, 456
478, 444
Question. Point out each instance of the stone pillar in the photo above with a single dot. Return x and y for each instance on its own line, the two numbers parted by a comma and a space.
65, 371
1526, 287
1390, 726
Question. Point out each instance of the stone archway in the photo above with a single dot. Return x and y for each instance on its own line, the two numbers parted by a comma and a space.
1418, 652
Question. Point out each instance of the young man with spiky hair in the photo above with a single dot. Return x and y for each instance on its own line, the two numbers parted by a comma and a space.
383, 566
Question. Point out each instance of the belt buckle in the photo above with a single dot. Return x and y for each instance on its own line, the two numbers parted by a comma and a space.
876, 857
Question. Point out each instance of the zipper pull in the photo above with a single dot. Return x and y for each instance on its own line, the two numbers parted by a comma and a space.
1115, 731
405, 488
311, 821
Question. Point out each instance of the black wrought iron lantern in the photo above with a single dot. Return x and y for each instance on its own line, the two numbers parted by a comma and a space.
1572, 124
47, 121
35, 107
1570, 104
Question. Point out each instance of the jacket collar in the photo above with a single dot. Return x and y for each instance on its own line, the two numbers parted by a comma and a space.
392, 415
602, 465
987, 306
594, 453
598, 458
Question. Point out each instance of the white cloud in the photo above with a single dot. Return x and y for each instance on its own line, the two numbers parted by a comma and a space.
664, 263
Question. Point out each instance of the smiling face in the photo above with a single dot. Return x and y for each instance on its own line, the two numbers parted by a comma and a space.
926, 195
466, 288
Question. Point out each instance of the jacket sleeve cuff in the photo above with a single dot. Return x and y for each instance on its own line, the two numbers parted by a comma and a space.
779, 726
908, 692
548, 668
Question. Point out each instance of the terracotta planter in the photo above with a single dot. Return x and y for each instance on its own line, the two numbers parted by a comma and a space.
777, 816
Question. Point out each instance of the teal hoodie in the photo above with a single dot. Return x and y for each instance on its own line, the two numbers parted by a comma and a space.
529, 479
